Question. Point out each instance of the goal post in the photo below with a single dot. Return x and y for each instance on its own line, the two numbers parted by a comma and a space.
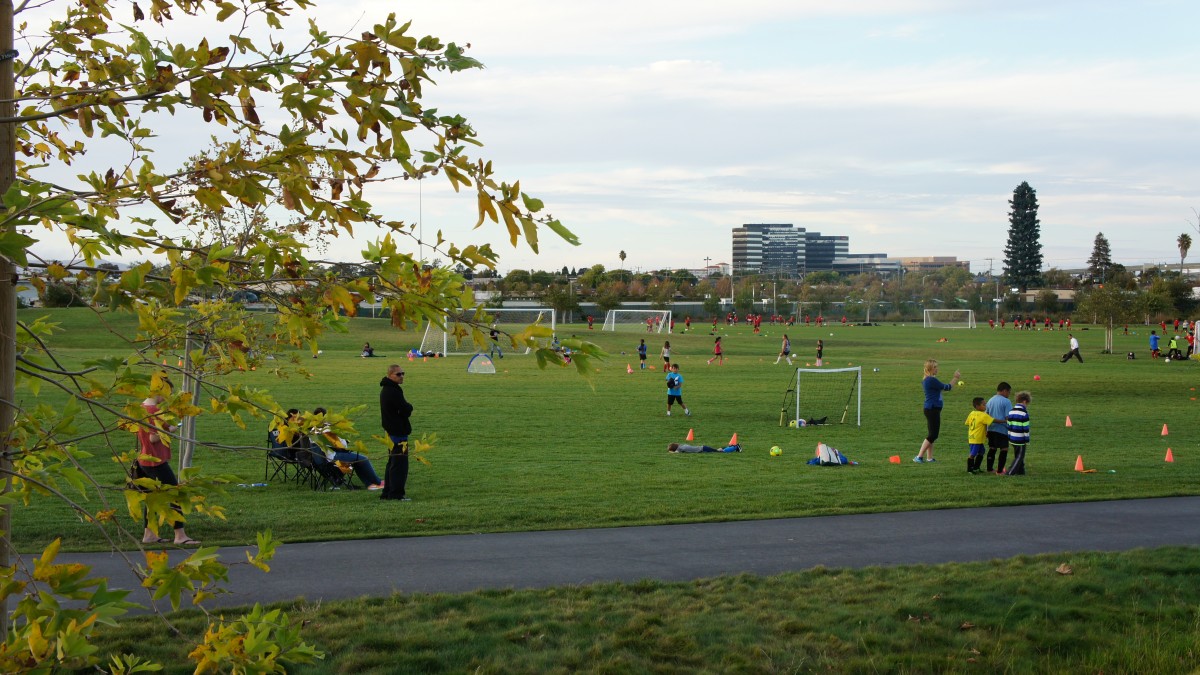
949, 318
646, 320
453, 339
824, 396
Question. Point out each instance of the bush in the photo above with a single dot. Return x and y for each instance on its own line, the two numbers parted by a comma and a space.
62, 295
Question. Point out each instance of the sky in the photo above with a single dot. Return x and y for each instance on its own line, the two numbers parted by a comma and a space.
655, 128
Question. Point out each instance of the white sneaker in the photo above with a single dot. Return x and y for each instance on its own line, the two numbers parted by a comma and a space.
687, 412
668, 413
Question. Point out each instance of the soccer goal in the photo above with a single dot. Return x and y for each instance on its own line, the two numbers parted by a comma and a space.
481, 364
646, 320
823, 396
454, 338
949, 318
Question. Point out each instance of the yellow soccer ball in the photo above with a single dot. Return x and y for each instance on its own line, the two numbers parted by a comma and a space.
776, 451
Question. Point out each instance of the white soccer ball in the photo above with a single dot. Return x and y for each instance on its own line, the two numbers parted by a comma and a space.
802, 423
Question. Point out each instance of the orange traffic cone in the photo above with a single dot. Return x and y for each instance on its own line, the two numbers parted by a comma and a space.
628, 369
894, 459
1068, 420
410, 357
164, 362
1170, 457
180, 363
733, 441
1079, 463
691, 435
1164, 433
423, 358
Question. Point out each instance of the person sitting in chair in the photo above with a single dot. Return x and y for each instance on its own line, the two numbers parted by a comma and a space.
336, 451
279, 449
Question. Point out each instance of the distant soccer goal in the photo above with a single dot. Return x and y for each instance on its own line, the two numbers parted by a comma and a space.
823, 396
507, 320
646, 320
949, 318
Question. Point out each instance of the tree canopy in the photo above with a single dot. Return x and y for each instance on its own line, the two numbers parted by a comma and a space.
293, 135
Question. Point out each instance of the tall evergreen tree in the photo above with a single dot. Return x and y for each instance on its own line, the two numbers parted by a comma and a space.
1023, 253
1101, 261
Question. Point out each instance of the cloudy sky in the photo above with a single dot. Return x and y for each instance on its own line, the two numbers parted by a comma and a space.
656, 127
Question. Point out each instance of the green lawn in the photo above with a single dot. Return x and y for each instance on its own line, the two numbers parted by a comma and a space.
528, 449
1132, 612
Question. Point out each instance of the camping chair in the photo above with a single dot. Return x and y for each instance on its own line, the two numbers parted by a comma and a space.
319, 472
280, 460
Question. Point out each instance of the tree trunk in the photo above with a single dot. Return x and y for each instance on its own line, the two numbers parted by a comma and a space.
8, 285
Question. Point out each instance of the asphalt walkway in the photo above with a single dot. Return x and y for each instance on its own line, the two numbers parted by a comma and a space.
461, 563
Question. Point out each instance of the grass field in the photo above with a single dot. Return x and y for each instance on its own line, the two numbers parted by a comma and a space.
528, 449
1129, 612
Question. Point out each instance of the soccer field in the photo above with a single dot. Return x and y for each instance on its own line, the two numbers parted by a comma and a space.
530, 449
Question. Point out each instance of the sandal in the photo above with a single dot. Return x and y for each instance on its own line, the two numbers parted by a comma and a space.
187, 542
160, 540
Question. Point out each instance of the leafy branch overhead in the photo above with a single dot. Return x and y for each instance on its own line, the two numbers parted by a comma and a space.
223, 145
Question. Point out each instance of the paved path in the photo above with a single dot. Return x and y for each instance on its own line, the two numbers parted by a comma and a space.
460, 563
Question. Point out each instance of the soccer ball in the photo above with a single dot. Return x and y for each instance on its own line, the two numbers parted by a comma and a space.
792, 424
776, 451
961, 383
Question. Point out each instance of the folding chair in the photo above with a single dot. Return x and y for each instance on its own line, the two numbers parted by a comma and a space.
280, 460
319, 472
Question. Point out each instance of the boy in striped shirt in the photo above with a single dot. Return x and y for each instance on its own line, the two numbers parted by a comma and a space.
1018, 432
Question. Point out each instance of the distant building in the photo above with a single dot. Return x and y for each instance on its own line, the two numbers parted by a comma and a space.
768, 249
929, 264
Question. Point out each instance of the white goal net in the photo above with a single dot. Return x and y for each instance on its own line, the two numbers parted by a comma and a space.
949, 318
455, 338
824, 396
646, 320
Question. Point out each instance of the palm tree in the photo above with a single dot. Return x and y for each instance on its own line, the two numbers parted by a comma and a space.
1184, 242
621, 255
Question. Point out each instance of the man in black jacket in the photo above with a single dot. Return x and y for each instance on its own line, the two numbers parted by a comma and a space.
395, 413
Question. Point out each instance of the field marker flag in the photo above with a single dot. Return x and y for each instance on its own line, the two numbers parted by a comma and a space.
1170, 457
691, 435
1079, 463
1068, 420
1164, 432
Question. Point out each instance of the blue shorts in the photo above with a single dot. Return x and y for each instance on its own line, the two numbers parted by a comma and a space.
976, 449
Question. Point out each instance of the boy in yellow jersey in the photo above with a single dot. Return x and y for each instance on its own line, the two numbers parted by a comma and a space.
977, 424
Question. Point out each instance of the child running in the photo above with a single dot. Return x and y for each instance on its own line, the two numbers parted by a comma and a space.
785, 350
675, 390
977, 425
718, 354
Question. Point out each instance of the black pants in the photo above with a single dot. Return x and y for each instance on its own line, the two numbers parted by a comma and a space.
163, 474
1018, 463
1074, 352
396, 474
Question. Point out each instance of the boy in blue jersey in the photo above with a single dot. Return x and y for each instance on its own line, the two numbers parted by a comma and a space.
675, 390
998, 407
1018, 432
1154, 353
